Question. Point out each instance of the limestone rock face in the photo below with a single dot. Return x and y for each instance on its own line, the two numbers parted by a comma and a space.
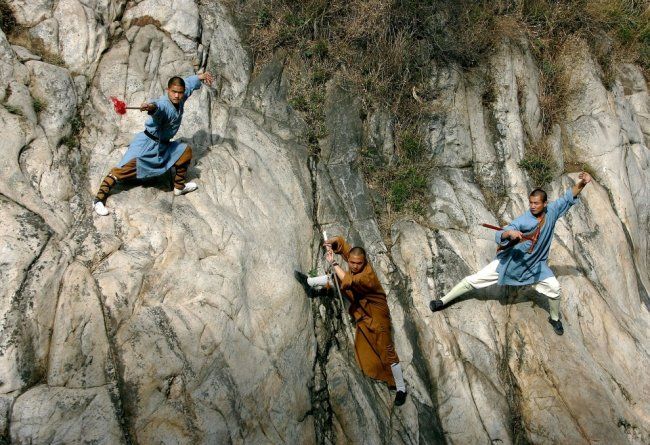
176, 320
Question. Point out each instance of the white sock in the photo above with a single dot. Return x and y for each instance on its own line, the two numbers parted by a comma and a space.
323, 280
399, 378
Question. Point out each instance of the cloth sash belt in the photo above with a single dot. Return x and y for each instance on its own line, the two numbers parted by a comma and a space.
155, 138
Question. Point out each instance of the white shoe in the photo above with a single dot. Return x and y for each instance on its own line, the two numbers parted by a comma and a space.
100, 208
189, 187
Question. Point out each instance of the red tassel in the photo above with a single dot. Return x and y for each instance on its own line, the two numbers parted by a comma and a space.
120, 107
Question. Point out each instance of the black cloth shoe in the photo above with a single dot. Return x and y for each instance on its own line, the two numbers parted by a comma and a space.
557, 326
436, 305
400, 398
302, 279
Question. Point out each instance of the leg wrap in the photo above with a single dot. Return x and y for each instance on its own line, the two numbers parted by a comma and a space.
105, 188
551, 288
128, 171
554, 308
461, 288
182, 165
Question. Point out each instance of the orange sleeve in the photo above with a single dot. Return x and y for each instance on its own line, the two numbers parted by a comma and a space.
362, 283
341, 247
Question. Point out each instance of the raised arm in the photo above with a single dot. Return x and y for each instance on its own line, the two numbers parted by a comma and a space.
193, 83
340, 246
338, 270
584, 178
562, 205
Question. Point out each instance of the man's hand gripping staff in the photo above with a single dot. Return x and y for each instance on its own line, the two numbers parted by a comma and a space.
340, 274
329, 257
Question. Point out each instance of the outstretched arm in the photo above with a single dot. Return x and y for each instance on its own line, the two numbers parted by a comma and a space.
561, 205
153, 110
206, 77
193, 83
584, 179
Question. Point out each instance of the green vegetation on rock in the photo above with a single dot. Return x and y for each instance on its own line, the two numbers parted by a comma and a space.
39, 104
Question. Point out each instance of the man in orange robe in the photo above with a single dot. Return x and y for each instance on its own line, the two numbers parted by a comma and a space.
373, 342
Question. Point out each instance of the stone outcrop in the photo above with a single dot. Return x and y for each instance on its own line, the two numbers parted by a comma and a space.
176, 320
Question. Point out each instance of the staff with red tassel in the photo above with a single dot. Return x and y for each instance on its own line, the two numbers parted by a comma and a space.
121, 107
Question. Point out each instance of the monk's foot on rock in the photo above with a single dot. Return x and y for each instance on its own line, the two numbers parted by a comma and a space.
302, 279
400, 398
436, 305
189, 187
557, 326
100, 208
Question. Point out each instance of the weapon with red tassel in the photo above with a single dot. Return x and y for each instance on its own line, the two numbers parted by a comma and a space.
120, 106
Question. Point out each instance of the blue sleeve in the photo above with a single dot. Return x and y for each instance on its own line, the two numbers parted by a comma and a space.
160, 115
192, 83
561, 205
498, 237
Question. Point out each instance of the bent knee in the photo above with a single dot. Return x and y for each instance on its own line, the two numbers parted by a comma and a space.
554, 288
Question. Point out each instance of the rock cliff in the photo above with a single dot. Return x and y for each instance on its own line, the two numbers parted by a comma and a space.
176, 320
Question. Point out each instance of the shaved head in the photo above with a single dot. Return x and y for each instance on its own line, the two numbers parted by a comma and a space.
358, 251
176, 81
540, 193
357, 259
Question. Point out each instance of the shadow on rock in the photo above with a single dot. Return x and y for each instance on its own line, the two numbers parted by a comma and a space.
505, 295
202, 143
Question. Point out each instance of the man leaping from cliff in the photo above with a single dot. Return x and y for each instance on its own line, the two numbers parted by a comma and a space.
522, 252
152, 152
373, 343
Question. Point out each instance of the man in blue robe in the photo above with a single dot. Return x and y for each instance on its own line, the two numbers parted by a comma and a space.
523, 247
152, 152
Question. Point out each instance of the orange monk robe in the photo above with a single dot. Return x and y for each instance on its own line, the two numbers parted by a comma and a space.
373, 343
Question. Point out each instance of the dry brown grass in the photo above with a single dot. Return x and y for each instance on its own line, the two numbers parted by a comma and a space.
382, 50
146, 20
21, 37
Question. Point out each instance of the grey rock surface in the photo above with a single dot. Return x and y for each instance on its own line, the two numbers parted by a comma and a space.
176, 320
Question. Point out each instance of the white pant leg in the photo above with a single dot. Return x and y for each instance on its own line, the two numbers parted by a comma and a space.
484, 277
323, 280
549, 286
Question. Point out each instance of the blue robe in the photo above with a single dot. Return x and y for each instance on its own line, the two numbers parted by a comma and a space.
155, 158
517, 267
